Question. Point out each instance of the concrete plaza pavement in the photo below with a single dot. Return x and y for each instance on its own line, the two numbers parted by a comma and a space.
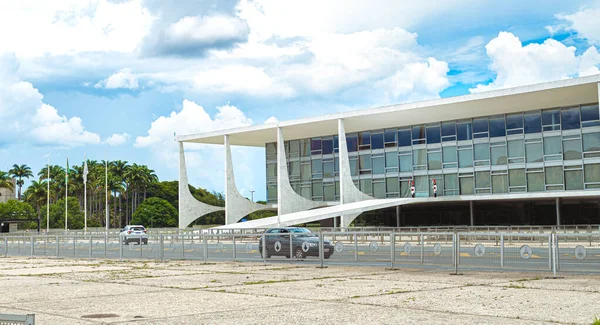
96, 291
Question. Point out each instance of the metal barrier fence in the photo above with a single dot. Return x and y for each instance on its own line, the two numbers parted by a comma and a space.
10, 319
546, 252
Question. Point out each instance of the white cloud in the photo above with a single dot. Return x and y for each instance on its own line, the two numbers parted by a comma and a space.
117, 139
243, 79
584, 22
72, 26
589, 62
26, 117
271, 119
517, 65
121, 79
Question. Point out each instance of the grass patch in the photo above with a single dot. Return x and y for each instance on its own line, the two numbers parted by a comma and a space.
596, 321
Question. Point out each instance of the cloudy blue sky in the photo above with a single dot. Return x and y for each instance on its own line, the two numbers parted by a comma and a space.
116, 78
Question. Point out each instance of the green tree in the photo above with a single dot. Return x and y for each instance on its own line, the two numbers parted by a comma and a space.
155, 212
20, 171
36, 194
17, 210
57, 215
5, 180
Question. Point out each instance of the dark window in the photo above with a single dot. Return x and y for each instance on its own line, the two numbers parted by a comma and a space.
514, 124
480, 125
390, 136
590, 116
497, 127
551, 120
404, 138
464, 131
570, 118
533, 123
433, 134
352, 143
418, 133
336, 143
315, 144
377, 141
327, 145
448, 131
364, 140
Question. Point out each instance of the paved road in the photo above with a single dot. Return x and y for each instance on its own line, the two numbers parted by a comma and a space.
346, 253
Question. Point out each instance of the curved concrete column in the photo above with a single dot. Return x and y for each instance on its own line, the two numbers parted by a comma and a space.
190, 208
236, 206
288, 201
349, 193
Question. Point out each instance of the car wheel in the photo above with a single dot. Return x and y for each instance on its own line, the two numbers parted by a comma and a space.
265, 253
327, 256
299, 254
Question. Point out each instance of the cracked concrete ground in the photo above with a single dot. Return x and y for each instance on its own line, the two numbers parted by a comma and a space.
77, 291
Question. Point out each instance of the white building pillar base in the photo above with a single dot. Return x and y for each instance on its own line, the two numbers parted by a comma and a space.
236, 206
190, 208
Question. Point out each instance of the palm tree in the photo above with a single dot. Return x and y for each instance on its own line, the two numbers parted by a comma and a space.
118, 169
20, 172
36, 194
6, 180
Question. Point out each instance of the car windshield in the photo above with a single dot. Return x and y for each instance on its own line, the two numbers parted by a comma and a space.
302, 232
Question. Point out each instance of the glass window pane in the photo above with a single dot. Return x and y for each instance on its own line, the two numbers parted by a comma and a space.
450, 184
480, 125
305, 172
482, 180
405, 163
391, 159
421, 186
353, 167
517, 177
390, 136
405, 189
464, 131
328, 169
377, 141
448, 128
352, 143
317, 167
572, 149
516, 149
305, 148
272, 192
295, 148
379, 190
482, 151
364, 140
497, 127
271, 170
364, 162
433, 134
327, 146
533, 123
465, 158
551, 120
294, 168
552, 145
499, 184
317, 189
534, 152
434, 160
271, 150
591, 142
498, 155
574, 179
366, 186
592, 173
378, 165
305, 191
439, 182
419, 157
392, 185
514, 121
404, 138
449, 154
590, 115
554, 175
535, 182
418, 132
329, 192
570, 118
315, 144
467, 186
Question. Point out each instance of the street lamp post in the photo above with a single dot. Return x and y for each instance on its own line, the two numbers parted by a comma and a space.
252, 195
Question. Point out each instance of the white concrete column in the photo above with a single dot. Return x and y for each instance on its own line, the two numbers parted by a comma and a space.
236, 205
288, 201
349, 193
190, 209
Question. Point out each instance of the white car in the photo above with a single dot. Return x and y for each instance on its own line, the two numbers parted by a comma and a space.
134, 234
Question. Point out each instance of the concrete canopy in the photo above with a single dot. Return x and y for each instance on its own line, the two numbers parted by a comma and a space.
560, 93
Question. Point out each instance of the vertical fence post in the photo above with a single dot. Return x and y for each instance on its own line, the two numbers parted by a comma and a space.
161, 246
32, 252
57, 246
557, 256
45, 244
233, 241
550, 252
291, 247
74, 245
121, 249
105, 243
355, 247
205, 247
502, 250
422, 242
321, 246
264, 248
392, 249
141, 242
91, 246
553, 254
5, 246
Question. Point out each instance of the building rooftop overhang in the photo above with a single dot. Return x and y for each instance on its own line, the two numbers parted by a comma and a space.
561, 93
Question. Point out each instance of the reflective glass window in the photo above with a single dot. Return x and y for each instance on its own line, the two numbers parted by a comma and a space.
379, 190
534, 152
379, 165
271, 150
592, 175
352, 143
570, 118
271, 170
305, 191
497, 127
405, 163
499, 183
392, 185
590, 116
480, 127
418, 134
533, 123
450, 184
591, 143
305, 173
327, 146
535, 182
377, 141
498, 155
574, 179
419, 157
467, 185
315, 145
364, 162
354, 167
449, 154
449, 131
572, 149
329, 192
516, 177
434, 160
464, 131
317, 189
553, 146
421, 186
294, 169
390, 136
391, 159
366, 186
404, 188
482, 180
404, 138
465, 158
364, 140
305, 148
272, 193
516, 149
294, 148
551, 120
317, 168
482, 151
554, 175
433, 134
328, 169
514, 124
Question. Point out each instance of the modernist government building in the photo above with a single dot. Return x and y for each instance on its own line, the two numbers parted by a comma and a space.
521, 156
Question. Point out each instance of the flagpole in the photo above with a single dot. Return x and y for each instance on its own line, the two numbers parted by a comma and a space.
106, 193
66, 193
48, 199
85, 193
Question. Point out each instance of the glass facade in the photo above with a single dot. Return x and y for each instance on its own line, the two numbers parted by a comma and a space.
544, 150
